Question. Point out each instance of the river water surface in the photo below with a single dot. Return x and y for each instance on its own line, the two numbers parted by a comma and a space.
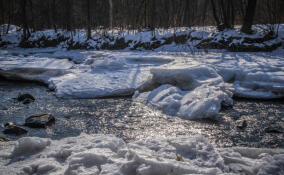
132, 121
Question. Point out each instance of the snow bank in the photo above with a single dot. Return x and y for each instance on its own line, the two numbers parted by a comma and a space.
193, 86
189, 91
33, 68
104, 154
258, 75
186, 77
99, 84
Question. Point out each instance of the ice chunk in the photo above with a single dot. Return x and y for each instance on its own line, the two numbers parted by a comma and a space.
29, 145
190, 92
253, 160
166, 98
33, 68
186, 77
99, 84
203, 102
260, 85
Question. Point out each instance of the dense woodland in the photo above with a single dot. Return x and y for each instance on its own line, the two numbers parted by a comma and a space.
33, 15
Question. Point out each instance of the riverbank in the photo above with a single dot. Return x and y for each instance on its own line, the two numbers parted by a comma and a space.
174, 39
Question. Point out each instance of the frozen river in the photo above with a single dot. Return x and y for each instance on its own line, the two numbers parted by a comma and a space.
160, 106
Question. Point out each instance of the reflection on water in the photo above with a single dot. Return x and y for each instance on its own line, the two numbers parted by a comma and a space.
132, 121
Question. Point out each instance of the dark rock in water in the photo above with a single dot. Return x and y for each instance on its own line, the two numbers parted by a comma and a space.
25, 98
274, 129
39, 120
8, 124
27, 101
2, 107
242, 124
68, 116
10, 128
4, 139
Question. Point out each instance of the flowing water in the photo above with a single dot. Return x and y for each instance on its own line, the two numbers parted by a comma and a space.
132, 121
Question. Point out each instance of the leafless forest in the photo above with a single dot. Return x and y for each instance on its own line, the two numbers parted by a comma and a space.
35, 15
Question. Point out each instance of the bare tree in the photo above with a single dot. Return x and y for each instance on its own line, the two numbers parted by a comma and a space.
249, 16
26, 32
88, 19
110, 13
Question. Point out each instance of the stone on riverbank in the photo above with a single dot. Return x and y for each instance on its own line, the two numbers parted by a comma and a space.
39, 120
13, 129
25, 98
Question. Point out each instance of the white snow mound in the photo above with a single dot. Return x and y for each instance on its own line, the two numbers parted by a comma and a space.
191, 92
108, 155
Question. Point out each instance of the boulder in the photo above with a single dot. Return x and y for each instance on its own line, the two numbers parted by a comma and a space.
11, 128
4, 139
274, 129
25, 98
39, 120
242, 124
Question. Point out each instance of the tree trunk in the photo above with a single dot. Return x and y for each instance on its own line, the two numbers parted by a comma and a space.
88, 20
53, 6
68, 13
32, 16
26, 32
215, 13
110, 13
248, 20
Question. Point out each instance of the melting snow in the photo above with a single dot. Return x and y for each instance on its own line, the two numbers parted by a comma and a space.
103, 154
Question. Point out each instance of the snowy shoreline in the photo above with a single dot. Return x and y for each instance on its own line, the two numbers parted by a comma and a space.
173, 39
105, 154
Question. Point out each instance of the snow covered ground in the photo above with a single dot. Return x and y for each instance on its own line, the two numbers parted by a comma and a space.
105, 154
172, 39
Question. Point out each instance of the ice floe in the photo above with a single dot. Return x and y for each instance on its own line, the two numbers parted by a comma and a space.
108, 155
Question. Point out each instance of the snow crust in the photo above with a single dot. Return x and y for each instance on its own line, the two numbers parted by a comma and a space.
105, 154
